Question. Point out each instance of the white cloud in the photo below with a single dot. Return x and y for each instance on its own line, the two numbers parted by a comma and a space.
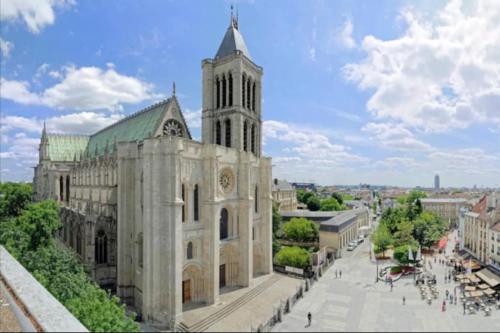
36, 14
312, 54
308, 144
395, 136
344, 36
441, 73
193, 118
79, 123
5, 47
85, 88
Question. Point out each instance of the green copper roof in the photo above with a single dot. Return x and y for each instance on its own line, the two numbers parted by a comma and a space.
136, 127
64, 147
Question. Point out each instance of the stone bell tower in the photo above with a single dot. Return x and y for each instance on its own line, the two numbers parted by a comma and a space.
232, 86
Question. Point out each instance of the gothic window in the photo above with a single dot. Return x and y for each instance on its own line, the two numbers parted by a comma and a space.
190, 250
248, 93
140, 250
245, 136
243, 81
183, 204
218, 133
223, 223
61, 188
217, 83
224, 85
101, 247
256, 198
196, 200
79, 242
253, 138
67, 188
253, 96
230, 81
227, 125
172, 128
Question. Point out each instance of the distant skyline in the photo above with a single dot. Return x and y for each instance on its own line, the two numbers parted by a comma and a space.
377, 92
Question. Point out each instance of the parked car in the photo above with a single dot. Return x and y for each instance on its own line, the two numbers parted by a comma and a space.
360, 239
351, 247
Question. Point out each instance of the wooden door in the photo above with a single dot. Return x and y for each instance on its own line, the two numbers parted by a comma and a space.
186, 291
222, 276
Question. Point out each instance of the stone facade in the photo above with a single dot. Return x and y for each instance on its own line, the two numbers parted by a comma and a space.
446, 208
166, 221
284, 195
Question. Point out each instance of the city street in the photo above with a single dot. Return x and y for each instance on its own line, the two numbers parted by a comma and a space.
356, 303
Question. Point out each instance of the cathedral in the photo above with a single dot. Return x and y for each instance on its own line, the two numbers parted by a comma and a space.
167, 222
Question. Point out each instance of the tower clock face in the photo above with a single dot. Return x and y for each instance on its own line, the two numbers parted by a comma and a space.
172, 128
226, 180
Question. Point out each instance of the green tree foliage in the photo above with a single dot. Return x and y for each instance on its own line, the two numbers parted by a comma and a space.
404, 233
303, 195
391, 217
382, 239
276, 219
339, 198
301, 230
29, 237
428, 229
330, 204
14, 197
313, 203
401, 253
293, 256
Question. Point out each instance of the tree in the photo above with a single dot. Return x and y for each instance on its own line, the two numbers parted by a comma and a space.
401, 253
382, 238
313, 203
300, 195
391, 217
338, 197
293, 256
301, 230
330, 204
404, 233
14, 197
428, 228
307, 196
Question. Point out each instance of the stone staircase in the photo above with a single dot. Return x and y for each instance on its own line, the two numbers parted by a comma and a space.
217, 316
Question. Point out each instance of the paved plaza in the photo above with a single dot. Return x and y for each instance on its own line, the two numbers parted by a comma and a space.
356, 303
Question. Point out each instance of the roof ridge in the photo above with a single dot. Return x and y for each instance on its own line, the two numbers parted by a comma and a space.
67, 134
133, 115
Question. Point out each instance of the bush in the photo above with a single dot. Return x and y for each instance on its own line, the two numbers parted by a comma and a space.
313, 203
401, 253
293, 256
330, 204
14, 197
301, 230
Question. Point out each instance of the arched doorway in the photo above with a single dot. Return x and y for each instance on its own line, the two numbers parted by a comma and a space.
192, 285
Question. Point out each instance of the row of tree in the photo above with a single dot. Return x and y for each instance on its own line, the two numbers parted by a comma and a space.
406, 227
314, 203
27, 232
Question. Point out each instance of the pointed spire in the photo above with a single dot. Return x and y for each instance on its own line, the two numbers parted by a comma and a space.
173, 88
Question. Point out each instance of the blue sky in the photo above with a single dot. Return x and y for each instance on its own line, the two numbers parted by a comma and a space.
380, 92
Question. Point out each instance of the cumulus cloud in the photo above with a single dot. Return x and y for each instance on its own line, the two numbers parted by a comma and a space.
308, 144
79, 123
193, 118
344, 36
36, 14
441, 73
82, 89
395, 136
5, 47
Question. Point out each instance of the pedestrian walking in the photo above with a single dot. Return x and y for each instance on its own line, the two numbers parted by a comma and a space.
336, 273
340, 274
309, 319
404, 300
443, 307
464, 308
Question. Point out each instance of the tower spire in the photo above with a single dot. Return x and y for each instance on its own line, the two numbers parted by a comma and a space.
173, 88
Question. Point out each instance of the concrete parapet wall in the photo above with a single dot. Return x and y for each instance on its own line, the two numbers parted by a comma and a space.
44, 308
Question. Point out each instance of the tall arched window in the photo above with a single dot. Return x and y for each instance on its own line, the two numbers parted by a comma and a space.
218, 133
227, 125
217, 84
248, 93
230, 83
196, 201
101, 247
243, 81
224, 216
140, 249
245, 136
224, 91
253, 96
183, 194
256, 198
67, 188
61, 188
253, 138
190, 250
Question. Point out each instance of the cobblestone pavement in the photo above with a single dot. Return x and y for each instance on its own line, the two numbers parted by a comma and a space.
356, 303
